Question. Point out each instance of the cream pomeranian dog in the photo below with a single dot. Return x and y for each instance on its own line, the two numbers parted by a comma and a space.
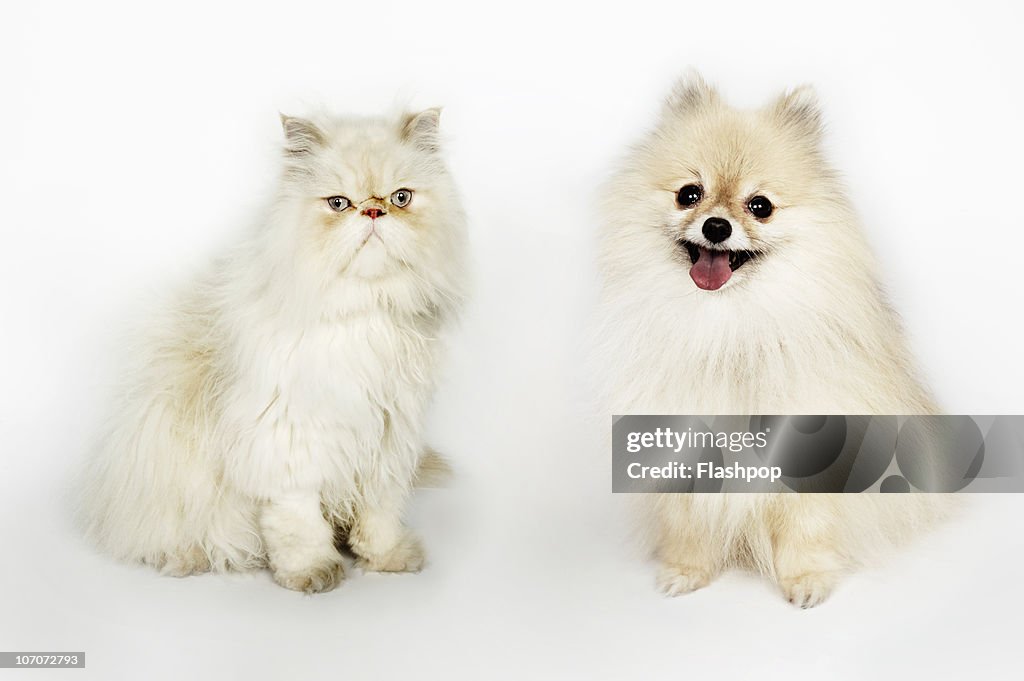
736, 281
278, 402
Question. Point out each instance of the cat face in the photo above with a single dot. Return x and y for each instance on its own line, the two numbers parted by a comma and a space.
373, 195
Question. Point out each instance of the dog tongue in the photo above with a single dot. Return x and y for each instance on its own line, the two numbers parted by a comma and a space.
711, 270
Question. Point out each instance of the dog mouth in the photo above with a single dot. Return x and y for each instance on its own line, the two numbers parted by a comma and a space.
711, 268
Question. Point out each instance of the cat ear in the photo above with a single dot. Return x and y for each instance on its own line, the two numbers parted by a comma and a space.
690, 92
422, 129
301, 137
799, 110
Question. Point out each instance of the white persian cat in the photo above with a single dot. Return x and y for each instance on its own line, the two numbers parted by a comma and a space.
736, 280
276, 406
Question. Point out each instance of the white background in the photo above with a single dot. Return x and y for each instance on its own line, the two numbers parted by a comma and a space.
136, 140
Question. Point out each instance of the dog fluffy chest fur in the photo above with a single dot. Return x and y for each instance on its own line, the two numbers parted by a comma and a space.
721, 356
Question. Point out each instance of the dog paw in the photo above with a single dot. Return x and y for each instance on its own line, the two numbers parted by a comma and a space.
676, 580
808, 590
323, 576
406, 556
190, 561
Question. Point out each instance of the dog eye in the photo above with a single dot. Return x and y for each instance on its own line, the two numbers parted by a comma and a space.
402, 197
760, 207
338, 203
690, 195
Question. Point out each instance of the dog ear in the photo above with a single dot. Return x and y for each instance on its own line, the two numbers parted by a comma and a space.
423, 129
691, 92
301, 137
799, 110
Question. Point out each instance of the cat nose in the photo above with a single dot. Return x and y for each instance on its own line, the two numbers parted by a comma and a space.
374, 213
717, 230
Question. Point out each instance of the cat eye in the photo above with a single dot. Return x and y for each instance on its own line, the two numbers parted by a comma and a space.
760, 207
690, 195
338, 203
402, 197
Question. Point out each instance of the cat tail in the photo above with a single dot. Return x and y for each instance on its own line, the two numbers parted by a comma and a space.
433, 470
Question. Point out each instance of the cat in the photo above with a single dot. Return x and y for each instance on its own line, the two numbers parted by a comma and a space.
278, 401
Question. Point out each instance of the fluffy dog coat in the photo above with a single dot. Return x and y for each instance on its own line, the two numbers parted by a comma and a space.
798, 326
279, 400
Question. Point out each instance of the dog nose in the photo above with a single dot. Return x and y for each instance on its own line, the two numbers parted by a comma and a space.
717, 230
374, 213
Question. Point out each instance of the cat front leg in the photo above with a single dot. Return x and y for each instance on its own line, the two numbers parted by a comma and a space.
300, 542
379, 537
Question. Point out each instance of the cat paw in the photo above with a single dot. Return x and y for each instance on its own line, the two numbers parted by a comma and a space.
406, 556
191, 561
324, 576
808, 590
676, 580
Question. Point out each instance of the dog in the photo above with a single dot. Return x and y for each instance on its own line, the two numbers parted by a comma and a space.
736, 280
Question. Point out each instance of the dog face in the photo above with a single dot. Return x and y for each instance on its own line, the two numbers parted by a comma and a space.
731, 188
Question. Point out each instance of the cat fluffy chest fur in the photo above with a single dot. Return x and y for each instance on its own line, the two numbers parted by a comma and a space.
319, 406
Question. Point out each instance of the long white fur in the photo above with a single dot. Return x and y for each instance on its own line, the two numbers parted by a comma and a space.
280, 398
803, 329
